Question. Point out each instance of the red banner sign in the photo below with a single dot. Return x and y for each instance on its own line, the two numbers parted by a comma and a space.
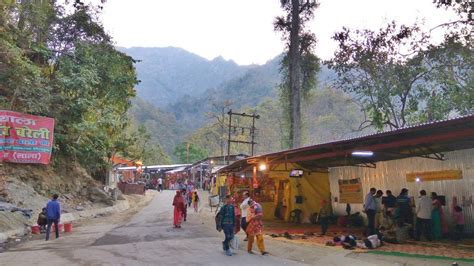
25, 138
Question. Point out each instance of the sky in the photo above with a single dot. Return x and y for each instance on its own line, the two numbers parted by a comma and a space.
242, 30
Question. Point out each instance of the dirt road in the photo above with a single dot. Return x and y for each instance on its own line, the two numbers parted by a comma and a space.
148, 238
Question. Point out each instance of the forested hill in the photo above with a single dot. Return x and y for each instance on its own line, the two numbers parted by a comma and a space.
169, 73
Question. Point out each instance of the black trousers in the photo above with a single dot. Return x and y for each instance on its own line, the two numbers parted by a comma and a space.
371, 222
56, 227
423, 225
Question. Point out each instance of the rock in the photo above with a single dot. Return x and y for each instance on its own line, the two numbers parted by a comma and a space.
95, 194
79, 208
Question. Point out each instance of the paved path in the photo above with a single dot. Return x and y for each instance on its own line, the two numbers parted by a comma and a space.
149, 239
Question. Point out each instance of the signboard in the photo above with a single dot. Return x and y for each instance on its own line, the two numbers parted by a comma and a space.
25, 138
350, 191
434, 176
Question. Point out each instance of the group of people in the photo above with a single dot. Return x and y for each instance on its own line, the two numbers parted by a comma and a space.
246, 215
184, 198
400, 212
49, 216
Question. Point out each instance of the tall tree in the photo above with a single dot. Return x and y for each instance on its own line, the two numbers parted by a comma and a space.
299, 66
401, 78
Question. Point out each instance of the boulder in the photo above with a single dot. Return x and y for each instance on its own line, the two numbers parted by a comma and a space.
96, 194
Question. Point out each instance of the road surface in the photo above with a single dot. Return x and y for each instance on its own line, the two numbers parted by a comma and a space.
148, 238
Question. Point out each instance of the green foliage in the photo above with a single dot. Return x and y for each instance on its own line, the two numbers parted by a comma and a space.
188, 153
63, 65
426, 83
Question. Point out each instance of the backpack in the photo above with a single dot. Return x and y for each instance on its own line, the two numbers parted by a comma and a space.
219, 218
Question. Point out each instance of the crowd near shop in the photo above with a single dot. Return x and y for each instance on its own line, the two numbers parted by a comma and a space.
410, 183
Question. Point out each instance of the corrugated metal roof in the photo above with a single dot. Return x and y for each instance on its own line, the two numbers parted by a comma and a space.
424, 134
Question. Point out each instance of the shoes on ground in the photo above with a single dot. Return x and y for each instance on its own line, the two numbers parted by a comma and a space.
264, 253
228, 252
251, 252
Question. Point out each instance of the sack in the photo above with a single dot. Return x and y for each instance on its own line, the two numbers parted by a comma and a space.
219, 218
234, 243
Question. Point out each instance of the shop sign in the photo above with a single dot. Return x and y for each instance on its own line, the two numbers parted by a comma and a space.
434, 176
25, 138
350, 191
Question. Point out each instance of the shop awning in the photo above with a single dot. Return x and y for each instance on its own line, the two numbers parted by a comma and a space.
428, 140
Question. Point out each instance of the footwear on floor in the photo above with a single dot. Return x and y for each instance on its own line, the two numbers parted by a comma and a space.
264, 253
228, 252
251, 252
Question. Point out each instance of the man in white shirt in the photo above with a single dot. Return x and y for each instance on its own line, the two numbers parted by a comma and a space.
370, 207
423, 216
160, 184
244, 207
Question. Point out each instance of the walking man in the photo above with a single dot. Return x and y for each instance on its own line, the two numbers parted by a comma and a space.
255, 227
370, 207
227, 224
160, 184
53, 215
244, 207
423, 216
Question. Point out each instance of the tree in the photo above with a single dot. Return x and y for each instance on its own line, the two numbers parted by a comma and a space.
299, 66
188, 152
397, 74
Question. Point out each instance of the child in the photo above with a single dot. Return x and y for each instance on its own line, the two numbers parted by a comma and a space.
195, 200
42, 220
458, 218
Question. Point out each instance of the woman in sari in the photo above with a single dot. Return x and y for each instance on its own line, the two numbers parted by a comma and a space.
255, 227
438, 223
178, 203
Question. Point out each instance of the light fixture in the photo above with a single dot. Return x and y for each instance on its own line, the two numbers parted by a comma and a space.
363, 153
212, 161
242, 176
262, 167
417, 179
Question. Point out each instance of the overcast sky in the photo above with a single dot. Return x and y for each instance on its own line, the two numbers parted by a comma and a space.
242, 30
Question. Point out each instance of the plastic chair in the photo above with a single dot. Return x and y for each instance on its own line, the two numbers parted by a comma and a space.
295, 216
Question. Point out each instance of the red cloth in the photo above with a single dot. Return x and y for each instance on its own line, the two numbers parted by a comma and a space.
178, 203
254, 220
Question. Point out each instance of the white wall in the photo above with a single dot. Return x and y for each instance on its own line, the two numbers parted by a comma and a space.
392, 175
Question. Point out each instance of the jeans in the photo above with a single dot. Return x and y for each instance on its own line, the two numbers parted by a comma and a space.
459, 232
324, 221
229, 234
371, 222
56, 227
423, 224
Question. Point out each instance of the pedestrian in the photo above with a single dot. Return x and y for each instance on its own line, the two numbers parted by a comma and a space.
324, 215
437, 217
195, 199
53, 215
160, 184
237, 212
389, 202
244, 206
423, 216
42, 220
255, 227
378, 209
178, 203
184, 194
405, 214
227, 213
370, 210
458, 219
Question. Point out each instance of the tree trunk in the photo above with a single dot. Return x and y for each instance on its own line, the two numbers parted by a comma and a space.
295, 77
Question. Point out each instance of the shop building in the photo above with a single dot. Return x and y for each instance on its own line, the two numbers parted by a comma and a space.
437, 157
